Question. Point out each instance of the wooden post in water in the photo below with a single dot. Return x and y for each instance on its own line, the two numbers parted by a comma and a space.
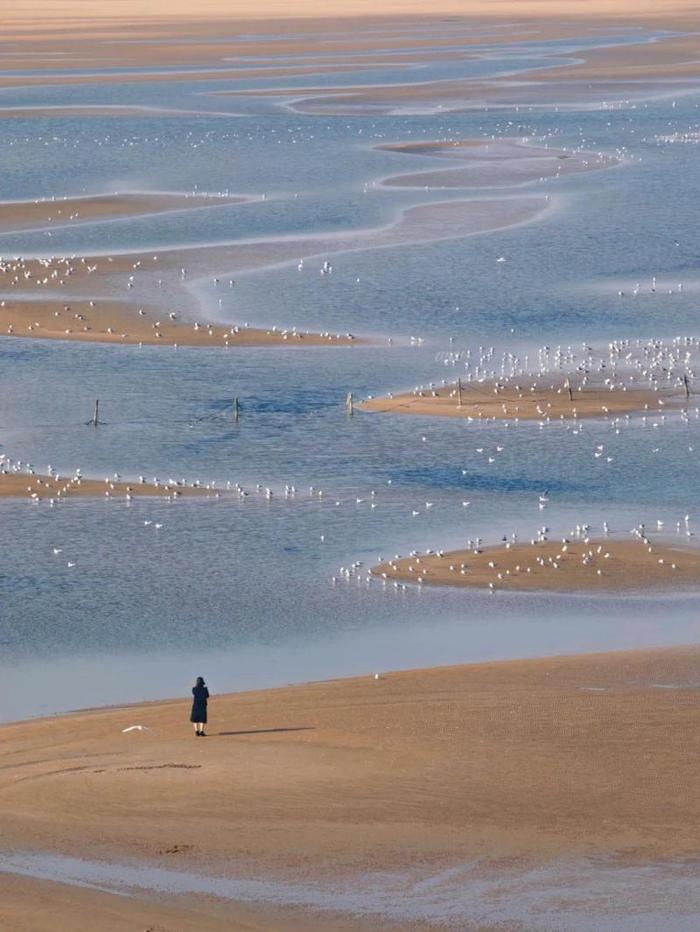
459, 392
349, 405
96, 416
686, 385
236, 410
567, 386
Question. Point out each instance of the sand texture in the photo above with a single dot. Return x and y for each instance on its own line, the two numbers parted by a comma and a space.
61, 488
69, 211
606, 565
167, 274
526, 399
527, 760
488, 163
113, 322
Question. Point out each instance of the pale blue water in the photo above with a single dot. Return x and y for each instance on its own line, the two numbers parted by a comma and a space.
241, 592
575, 895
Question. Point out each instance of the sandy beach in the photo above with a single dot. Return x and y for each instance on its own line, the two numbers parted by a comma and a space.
566, 565
523, 762
401, 800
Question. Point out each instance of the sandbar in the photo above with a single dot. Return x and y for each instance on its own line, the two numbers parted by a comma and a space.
142, 276
70, 211
527, 399
492, 163
123, 323
609, 565
21, 484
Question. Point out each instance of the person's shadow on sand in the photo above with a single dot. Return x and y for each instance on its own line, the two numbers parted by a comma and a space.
262, 731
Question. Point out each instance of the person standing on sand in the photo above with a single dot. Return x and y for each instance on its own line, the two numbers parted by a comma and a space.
198, 716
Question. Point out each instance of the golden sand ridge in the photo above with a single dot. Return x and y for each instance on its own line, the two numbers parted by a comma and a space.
560, 566
528, 760
127, 324
526, 400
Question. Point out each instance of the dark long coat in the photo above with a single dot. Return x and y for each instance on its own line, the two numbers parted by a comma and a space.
199, 705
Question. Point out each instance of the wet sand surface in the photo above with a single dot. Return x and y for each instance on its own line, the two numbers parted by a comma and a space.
113, 322
514, 763
526, 400
57, 487
555, 566
509, 765
99, 277
87, 111
69, 211
500, 163
58, 906
447, 96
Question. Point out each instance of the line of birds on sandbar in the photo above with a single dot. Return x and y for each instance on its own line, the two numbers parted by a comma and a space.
656, 366
581, 533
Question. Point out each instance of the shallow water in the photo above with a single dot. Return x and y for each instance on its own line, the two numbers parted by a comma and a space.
242, 591
567, 896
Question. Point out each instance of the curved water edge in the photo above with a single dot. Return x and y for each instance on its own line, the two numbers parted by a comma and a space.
250, 583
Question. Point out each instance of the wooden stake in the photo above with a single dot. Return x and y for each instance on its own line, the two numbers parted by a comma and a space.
567, 386
96, 416
686, 384
459, 393
236, 410
349, 405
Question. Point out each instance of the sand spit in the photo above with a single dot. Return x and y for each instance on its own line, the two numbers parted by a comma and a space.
172, 272
468, 95
70, 211
492, 163
61, 488
87, 111
559, 566
671, 57
517, 763
177, 74
127, 324
527, 400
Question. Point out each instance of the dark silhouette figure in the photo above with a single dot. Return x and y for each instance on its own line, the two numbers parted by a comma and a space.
198, 716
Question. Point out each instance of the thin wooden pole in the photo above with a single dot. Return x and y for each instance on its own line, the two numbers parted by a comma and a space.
236, 410
459, 392
349, 405
686, 384
96, 416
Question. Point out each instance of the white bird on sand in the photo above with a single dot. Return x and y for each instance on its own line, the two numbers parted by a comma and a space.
136, 728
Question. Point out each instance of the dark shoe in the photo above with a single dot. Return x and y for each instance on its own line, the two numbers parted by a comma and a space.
202, 734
